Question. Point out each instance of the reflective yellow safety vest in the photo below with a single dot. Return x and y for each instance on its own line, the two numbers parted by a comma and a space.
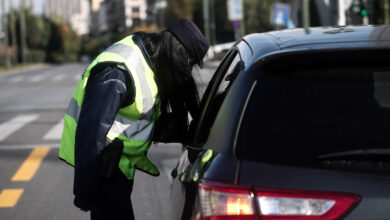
133, 124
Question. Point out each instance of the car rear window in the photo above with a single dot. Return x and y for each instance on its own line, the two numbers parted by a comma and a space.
320, 116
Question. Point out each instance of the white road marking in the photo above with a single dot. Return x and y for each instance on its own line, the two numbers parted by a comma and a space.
39, 77
14, 124
16, 79
56, 132
58, 78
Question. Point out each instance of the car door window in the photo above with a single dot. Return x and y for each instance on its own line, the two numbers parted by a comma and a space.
216, 92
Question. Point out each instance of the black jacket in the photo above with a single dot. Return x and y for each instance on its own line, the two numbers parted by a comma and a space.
105, 94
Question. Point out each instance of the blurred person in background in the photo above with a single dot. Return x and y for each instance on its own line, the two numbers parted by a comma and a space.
128, 97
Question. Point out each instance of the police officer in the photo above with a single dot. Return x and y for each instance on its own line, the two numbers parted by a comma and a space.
113, 113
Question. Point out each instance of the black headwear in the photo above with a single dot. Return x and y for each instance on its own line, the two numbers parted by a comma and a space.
191, 38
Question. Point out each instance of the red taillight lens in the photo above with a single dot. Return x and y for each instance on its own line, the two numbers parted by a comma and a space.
299, 204
221, 201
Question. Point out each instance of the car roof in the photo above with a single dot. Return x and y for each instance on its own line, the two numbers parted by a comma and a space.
319, 38
273, 47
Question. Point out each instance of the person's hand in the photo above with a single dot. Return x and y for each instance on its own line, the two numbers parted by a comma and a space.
83, 203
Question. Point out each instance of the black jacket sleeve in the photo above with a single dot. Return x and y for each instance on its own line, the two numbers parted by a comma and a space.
106, 93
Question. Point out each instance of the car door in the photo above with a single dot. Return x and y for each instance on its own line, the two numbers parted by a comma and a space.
184, 188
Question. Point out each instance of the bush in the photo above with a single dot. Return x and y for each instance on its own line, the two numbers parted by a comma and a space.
94, 46
36, 55
37, 31
64, 43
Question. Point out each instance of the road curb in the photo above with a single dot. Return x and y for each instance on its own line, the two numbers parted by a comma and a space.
24, 68
26, 146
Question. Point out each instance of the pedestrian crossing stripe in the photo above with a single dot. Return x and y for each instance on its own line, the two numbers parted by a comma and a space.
77, 78
16, 79
40, 77
52, 77
14, 124
58, 77
55, 132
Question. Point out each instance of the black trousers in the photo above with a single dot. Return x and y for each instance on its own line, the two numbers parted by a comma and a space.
114, 200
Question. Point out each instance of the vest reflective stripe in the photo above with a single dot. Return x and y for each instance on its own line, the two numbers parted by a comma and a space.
74, 110
133, 124
135, 130
131, 56
139, 130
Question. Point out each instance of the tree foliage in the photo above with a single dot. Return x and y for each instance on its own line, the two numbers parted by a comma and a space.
179, 9
257, 15
51, 40
182, 8
38, 31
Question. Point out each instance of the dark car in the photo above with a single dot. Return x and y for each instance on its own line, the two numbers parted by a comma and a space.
295, 124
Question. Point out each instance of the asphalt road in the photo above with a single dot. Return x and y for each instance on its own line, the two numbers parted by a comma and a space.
34, 184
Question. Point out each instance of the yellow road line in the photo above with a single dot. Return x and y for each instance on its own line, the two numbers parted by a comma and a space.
30, 166
9, 197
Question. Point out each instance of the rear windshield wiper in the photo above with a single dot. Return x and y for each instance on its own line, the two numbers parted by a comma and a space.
361, 154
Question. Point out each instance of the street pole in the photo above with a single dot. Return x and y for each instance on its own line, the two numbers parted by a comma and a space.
23, 31
13, 34
5, 30
306, 15
341, 14
206, 19
212, 23
242, 23
387, 8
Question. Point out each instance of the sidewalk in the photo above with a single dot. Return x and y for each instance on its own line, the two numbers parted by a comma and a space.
212, 63
25, 68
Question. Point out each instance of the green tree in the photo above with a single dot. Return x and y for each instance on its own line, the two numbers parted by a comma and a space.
64, 43
51, 40
223, 27
94, 46
179, 9
38, 31
257, 15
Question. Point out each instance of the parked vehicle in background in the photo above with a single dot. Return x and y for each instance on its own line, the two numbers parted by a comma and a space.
295, 124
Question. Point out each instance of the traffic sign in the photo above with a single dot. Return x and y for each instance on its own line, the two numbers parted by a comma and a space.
281, 14
235, 12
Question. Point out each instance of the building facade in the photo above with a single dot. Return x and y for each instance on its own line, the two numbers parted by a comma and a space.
135, 12
76, 12
117, 15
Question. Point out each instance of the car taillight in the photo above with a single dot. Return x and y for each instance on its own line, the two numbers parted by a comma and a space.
301, 204
221, 201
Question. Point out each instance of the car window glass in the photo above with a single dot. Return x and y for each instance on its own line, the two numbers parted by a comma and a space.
217, 75
225, 82
216, 94
382, 91
315, 116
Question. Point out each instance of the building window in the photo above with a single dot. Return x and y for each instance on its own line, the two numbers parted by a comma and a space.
136, 21
135, 9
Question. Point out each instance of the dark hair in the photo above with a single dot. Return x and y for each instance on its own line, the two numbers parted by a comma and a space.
177, 88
